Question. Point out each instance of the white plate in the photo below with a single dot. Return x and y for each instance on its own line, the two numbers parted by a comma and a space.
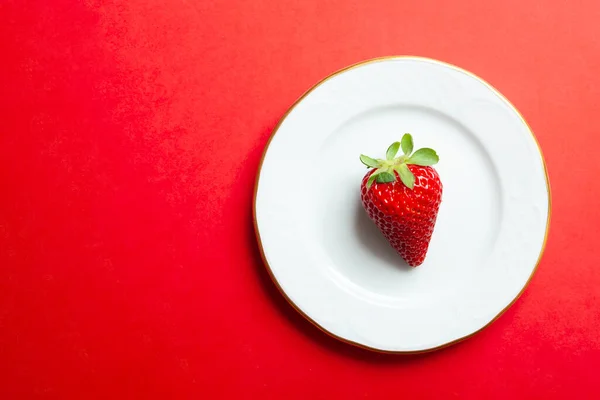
330, 261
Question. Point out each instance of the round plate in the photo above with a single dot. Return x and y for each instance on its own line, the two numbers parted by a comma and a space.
331, 262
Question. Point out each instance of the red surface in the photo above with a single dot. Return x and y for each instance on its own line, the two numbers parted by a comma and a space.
130, 136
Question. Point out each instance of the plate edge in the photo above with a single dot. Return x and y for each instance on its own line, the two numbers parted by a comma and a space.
257, 182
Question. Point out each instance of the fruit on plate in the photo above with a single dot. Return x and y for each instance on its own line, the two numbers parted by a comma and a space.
402, 195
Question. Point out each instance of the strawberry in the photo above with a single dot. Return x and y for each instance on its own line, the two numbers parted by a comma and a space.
404, 209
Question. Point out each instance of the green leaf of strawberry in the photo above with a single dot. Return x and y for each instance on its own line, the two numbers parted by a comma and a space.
371, 179
385, 177
407, 144
369, 162
424, 157
392, 151
406, 176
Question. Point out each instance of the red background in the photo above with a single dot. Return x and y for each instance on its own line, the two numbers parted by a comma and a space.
130, 136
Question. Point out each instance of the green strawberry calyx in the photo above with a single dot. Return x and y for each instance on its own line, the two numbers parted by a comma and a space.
384, 169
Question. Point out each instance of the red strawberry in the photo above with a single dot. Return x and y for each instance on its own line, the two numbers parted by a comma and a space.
404, 209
